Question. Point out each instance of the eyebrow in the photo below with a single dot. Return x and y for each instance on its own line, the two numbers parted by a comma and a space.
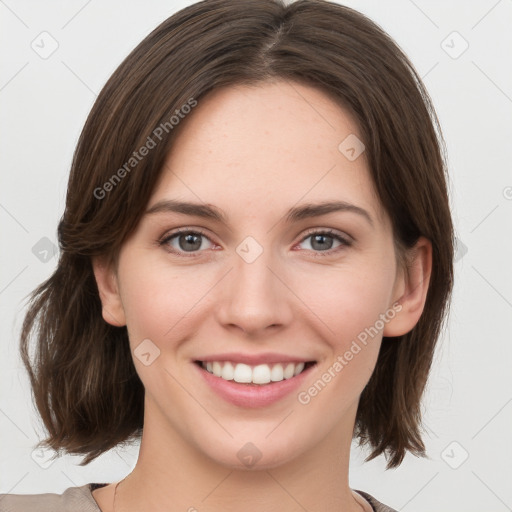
294, 214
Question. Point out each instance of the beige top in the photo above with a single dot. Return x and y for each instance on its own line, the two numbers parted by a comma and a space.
80, 499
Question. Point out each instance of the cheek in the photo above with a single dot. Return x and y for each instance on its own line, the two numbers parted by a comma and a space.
350, 303
155, 299
352, 311
347, 300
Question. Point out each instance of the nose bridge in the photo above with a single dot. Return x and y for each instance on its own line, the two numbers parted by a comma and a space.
255, 298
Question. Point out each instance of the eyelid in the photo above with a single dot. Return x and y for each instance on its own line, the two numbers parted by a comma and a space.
328, 231
174, 232
345, 239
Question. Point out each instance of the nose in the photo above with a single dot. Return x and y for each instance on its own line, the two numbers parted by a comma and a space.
255, 297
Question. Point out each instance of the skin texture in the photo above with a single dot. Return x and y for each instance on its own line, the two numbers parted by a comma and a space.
255, 152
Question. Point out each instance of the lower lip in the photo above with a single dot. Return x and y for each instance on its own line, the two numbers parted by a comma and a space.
252, 395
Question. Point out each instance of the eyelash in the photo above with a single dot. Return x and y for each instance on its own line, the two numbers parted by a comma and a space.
345, 242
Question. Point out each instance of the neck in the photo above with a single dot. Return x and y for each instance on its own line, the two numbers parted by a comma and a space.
172, 475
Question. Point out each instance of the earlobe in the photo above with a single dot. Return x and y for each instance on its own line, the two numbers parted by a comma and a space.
413, 289
106, 280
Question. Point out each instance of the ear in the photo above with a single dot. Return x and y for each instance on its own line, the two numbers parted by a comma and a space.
106, 279
411, 289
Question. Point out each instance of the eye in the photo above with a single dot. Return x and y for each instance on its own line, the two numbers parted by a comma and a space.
322, 241
184, 240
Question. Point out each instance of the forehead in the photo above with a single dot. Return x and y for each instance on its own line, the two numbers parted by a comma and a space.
265, 146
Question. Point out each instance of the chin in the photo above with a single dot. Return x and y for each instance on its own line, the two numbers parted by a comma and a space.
259, 454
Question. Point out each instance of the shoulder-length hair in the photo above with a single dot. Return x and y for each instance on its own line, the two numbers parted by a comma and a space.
84, 382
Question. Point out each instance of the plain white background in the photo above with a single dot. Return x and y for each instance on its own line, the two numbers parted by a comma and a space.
468, 406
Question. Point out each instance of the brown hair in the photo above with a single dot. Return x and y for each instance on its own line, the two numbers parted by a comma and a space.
83, 378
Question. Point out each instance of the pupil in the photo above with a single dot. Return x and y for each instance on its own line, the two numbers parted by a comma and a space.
320, 237
188, 238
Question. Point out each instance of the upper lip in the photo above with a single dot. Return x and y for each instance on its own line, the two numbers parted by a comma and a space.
255, 359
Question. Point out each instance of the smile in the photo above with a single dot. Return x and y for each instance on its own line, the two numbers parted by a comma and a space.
253, 385
258, 374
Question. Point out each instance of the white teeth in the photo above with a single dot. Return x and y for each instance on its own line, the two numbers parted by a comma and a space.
277, 373
259, 374
217, 369
243, 373
298, 368
288, 371
227, 371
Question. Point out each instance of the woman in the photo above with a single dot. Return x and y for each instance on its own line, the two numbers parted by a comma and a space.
256, 262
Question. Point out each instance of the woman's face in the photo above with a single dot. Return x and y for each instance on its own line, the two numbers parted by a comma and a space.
264, 281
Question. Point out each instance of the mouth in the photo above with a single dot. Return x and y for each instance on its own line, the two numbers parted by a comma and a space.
253, 385
260, 374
